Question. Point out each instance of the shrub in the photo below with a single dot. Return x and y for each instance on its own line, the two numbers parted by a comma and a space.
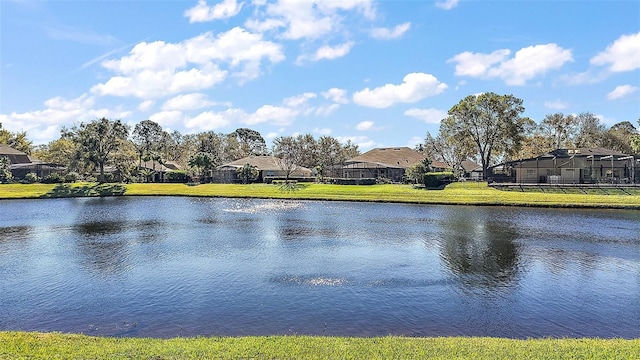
437, 179
71, 177
31, 178
177, 176
360, 181
53, 178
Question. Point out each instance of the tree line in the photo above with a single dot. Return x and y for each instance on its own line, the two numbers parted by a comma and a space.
91, 147
489, 128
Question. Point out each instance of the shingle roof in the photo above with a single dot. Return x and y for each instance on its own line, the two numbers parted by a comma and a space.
260, 162
394, 157
15, 156
597, 151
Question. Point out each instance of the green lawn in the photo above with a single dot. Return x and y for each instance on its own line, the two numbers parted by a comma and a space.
470, 193
23, 345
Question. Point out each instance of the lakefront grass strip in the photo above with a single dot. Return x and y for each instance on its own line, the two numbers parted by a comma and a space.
454, 194
33, 345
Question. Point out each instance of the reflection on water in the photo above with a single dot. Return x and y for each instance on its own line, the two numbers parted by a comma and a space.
187, 266
480, 251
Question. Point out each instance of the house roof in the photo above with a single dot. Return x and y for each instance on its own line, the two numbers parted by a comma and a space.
567, 153
597, 151
8, 150
439, 165
165, 167
393, 157
260, 162
15, 156
470, 166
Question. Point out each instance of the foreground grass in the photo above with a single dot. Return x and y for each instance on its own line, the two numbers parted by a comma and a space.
27, 345
457, 193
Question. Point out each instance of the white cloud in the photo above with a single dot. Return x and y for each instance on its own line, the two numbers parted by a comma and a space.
275, 115
363, 142
156, 69
622, 55
526, 63
365, 125
429, 116
222, 10
167, 117
299, 100
43, 125
322, 131
556, 105
333, 52
621, 91
326, 110
146, 105
336, 95
187, 102
447, 4
386, 34
148, 84
415, 87
210, 120
307, 19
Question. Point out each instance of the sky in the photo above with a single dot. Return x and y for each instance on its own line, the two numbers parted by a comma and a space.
378, 73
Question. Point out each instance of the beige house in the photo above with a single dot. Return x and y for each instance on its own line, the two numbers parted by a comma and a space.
570, 166
267, 166
387, 163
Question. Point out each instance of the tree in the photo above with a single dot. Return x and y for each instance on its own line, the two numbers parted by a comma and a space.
619, 137
147, 137
416, 172
559, 129
491, 121
448, 149
247, 173
590, 131
350, 150
16, 140
250, 142
285, 149
61, 151
329, 154
99, 139
5, 170
202, 161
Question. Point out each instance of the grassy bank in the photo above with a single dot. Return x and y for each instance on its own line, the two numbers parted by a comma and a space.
17, 345
457, 193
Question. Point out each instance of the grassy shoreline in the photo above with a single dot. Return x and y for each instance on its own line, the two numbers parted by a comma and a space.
454, 194
34, 345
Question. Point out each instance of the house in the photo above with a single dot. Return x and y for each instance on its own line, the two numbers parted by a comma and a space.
22, 164
471, 170
267, 166
570, 166
386, 163
14, 156
158, 169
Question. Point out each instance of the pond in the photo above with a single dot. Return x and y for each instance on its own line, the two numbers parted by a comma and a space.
178, 266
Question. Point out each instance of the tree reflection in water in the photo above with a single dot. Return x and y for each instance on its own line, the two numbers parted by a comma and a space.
103, 247
480, 252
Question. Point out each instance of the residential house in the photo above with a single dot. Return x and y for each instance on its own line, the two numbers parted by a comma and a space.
267, 166
385, 163
22, 164
471, 170
570, 166
158, 170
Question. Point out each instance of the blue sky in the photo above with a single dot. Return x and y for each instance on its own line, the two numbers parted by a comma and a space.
380, 73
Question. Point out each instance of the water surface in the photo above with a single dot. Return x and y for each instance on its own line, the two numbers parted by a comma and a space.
172, 266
